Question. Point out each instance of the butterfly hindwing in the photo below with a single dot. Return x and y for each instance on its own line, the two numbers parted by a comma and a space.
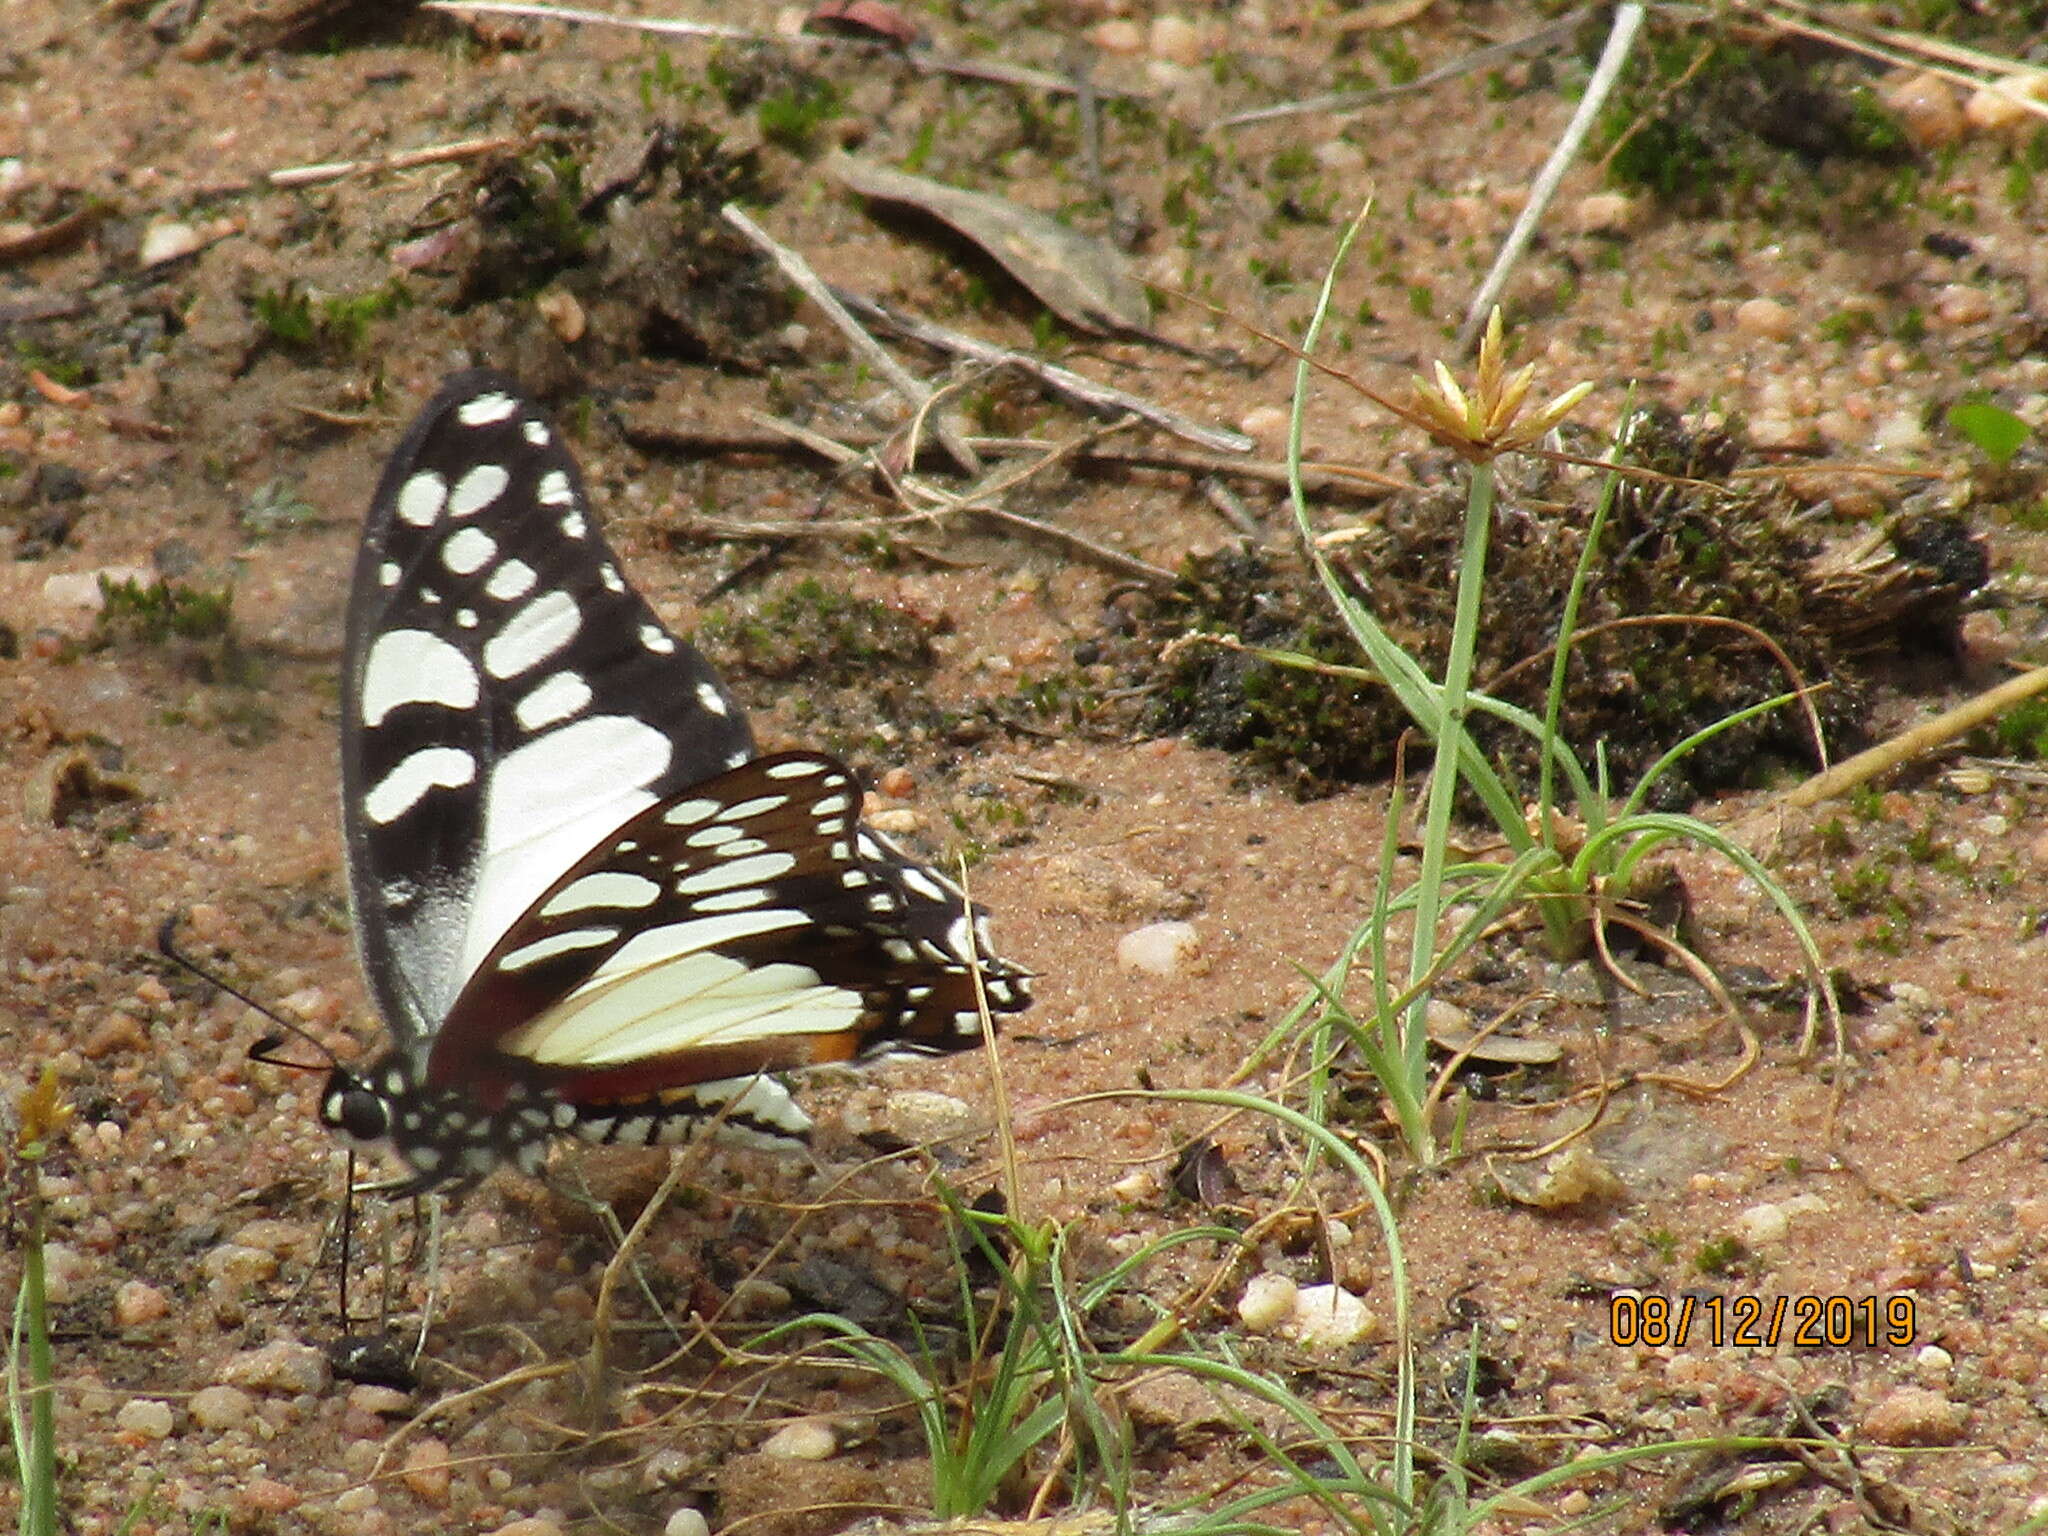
508, 698
738, 928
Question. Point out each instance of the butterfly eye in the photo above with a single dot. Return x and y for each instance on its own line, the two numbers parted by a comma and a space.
355, 1111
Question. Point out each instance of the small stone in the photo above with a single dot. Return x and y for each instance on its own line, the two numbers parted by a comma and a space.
532, 1525
1926, 107
426, 1471
1762, 1224
805, 1440
382, 1402
898, 784
1900, 432
1176, 40
1604, 213
1340, 157
1765, 318
1330, 1317
1997, 108
1136, 1188
1915, 1416
1962, 304
687, 1521
1933, 1366
145, 1417
896, 823
267, 1496
1267, 423
1575, 1176
219, 1407
920, 1116
237, 1267
167, 240
138, 1302
65, 1272
79, 592
1088, 884
1159, 949
285, 1239
1268, 1301
1118, 36
283, 1366
564, 315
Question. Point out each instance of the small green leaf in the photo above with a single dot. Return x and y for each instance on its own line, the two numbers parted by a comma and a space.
1996, 432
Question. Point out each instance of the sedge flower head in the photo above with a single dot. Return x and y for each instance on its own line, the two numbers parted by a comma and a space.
1489, 420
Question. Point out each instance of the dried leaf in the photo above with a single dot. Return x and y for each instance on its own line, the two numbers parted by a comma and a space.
1084, 281
1202, 1174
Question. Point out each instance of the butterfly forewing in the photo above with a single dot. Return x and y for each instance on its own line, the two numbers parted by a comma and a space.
508, 698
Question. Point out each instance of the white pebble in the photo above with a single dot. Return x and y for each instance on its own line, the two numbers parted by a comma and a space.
138, 1302
237, 1267
1762, 1224
145, 1416
1175, 39
1330, 1317
1766, 318
1933, 1366
687, 1522
1268, 423
1158, 948
1267, 1302
219, 1407
283, 1366
805, 1440
167, 240
65, 1270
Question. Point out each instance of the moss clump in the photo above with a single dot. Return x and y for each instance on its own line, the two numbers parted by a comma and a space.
1710, 121
1683, 550
197, 621
827, 637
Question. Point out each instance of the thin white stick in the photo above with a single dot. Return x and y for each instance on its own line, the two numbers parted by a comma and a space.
595, 18
913, 390
1628, 20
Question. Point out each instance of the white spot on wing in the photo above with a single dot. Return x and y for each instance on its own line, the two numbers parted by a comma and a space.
606, 888
485, 409
564, 694
415, 777
713, 701
411, 666
687, 813
656, 640
536, 433
421, 497
478, 489
533, 634
468, 550
731, 901
747, 871
554, 490
556, 944
801, 768
609, 575
573, 524
760, 805
512, 579
388, 574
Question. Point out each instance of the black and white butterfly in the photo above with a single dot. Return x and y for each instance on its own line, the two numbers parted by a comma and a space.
584, 905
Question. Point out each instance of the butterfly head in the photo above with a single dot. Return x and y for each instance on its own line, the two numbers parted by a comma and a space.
354, 1110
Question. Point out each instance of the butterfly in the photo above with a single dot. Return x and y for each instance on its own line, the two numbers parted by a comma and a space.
584, 904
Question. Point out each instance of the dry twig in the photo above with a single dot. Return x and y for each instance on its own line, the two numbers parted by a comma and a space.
916, 394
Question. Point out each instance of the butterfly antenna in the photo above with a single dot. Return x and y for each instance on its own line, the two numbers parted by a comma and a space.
264, 1050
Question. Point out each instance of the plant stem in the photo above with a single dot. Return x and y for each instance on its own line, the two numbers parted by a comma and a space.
1443, 791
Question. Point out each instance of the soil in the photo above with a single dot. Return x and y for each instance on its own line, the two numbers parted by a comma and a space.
216, 419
